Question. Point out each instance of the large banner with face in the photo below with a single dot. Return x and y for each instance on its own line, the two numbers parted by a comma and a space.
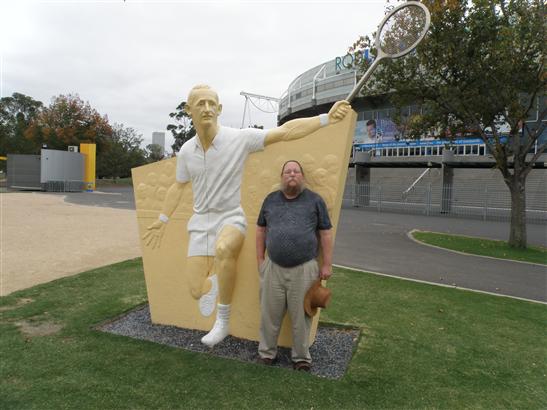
376, 131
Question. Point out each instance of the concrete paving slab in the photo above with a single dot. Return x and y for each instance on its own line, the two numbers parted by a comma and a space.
45, 237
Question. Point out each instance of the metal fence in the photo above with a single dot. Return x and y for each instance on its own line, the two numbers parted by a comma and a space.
63, 186
472, 202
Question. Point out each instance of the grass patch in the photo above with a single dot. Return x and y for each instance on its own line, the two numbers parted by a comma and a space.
484, 247
114, 181
422, 346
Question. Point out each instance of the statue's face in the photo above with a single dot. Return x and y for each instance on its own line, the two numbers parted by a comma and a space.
203, 107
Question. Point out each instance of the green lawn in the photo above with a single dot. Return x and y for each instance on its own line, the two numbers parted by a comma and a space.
422, 346
484, 247
105, 182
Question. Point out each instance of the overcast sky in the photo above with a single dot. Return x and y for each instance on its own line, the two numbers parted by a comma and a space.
135, 61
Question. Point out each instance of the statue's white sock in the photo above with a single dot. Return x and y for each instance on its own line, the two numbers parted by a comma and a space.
220, 329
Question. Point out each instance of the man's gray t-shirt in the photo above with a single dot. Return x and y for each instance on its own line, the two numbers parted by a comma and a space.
292, 225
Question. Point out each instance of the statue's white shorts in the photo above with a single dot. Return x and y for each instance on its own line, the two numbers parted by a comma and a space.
203, 229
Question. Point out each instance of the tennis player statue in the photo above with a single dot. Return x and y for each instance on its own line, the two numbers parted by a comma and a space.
213, 162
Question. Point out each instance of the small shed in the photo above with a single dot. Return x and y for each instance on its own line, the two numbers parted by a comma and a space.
52, 170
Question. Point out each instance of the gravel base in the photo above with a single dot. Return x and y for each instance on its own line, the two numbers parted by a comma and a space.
331, 351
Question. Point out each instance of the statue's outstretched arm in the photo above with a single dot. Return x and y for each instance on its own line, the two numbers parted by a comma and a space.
154, 232
301, 127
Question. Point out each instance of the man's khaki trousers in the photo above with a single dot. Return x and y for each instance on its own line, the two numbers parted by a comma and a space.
283, 289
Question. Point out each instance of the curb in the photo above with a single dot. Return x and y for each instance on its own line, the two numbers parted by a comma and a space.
441, 284
409, 234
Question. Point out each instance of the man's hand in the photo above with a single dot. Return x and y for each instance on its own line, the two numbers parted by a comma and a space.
154, 234
326, 272
339, 111
259, 262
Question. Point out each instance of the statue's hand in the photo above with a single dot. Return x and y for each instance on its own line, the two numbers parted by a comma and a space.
338, 111
153, 234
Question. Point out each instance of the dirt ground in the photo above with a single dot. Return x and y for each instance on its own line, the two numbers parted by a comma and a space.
42, 238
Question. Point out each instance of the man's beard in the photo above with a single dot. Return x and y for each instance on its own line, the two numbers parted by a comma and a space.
292, 190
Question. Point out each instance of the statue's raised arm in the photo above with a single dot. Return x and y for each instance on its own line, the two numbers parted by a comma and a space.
302, 127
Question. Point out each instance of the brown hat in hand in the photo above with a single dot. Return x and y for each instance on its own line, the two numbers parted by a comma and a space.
317, 297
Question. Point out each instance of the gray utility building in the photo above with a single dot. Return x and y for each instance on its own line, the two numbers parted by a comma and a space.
52, 170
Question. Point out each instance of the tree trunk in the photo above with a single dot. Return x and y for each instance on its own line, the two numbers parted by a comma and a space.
517, 235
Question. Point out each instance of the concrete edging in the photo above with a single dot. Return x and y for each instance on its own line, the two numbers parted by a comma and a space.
441, 284
409, 234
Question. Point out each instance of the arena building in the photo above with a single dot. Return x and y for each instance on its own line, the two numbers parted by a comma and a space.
429, 175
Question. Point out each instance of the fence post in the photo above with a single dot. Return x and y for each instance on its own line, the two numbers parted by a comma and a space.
485, 213
379, 202
446, 199
362, 178
428, 200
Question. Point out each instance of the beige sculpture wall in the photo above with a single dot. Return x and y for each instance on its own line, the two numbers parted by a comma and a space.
324, 156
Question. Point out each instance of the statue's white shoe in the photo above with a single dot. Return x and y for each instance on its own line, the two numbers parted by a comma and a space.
208, 301
221, 328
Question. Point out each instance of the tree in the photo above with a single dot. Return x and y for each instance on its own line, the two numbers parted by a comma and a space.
154, 152
16, 114
123, 153
25, 126
183, 130
480, 69
69, 121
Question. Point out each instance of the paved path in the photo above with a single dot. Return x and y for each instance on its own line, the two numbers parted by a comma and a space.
118, 197
102, 229
378, 242
46, 236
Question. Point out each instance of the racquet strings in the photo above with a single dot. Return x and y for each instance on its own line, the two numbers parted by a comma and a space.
402, 30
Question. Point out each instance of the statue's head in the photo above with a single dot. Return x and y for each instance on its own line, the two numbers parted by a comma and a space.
203, 105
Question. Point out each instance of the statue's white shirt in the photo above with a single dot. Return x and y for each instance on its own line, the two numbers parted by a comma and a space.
216, 174
216, 183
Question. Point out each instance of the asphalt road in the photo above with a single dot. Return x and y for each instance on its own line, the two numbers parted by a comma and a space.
120, 197
378, 242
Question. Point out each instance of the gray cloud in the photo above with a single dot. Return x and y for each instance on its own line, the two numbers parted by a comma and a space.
135, 62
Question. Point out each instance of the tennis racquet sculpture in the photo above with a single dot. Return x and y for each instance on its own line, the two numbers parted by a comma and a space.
398, 34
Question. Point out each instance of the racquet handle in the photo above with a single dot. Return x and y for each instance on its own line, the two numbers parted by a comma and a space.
363, 79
